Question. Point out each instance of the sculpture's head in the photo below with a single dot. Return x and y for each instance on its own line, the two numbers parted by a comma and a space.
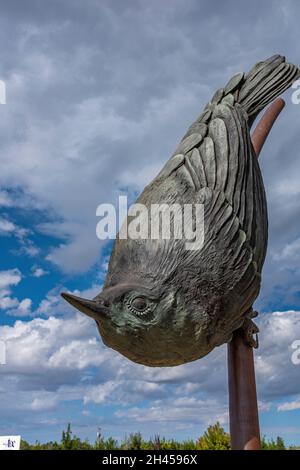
151, 328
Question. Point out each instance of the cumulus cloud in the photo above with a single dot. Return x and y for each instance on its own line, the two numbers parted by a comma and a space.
45, 401
56, 360
12, 305
184, 411
23, 308
291, 252
6, 226
38, 272
11, 277
6, 301
28, 248
8, 278
276, 374
9, 228
51, 344
25, 245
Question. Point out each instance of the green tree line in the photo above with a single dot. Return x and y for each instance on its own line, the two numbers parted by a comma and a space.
214, 438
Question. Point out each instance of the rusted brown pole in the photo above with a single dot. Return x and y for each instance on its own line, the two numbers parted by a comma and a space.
243, 409
265, 125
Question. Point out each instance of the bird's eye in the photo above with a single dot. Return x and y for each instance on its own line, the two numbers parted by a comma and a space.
139, 303
138, 306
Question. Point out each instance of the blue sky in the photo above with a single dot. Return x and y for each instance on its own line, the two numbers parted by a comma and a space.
98, 96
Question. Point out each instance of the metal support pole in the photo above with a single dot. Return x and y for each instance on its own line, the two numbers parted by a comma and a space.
243, 409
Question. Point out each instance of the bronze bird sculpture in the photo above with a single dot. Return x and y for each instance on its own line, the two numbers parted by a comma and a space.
164, 305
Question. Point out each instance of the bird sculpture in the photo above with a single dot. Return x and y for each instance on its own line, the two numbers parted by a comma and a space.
163, 304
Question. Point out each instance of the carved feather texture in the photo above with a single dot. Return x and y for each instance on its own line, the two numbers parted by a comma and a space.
222, 158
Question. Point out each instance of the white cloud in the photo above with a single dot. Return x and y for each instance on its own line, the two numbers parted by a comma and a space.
24, 308
47, 305
101, 394
38, 272
45, 401
11, 277
29, 249
5, 199
6, 301
65, 353
55, 343
290, 252
9, 228
77, 354
6, 226
56, 360
12, 305
289, 406
8, 278
185, 413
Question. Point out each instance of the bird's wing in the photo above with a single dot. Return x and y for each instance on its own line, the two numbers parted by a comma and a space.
217, 154
216, 157
216, 161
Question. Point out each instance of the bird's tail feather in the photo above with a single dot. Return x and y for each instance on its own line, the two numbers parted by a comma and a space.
265, 82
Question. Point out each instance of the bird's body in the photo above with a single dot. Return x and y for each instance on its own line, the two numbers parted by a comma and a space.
164, 305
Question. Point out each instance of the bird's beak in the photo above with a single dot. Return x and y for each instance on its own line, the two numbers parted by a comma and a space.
91, 308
